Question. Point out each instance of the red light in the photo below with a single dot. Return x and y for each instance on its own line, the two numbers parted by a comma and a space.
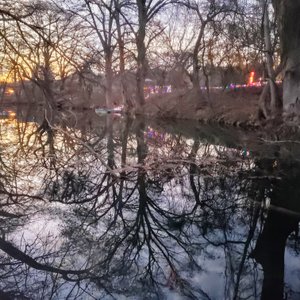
251, 78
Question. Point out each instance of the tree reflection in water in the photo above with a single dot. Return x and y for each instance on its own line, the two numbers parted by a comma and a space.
118, 208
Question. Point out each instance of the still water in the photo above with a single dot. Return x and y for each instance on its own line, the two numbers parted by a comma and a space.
104, 207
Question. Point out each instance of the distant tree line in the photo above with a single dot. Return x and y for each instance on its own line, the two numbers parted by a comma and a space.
47, 40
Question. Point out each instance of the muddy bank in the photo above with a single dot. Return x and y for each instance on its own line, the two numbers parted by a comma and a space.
237, 108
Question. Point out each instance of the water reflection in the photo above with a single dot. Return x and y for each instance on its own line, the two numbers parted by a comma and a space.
113, 208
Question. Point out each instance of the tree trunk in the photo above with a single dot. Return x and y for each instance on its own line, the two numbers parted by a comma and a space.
288, 12
275, 104
47, 80
141, 49
108, 80
110, 142
196, 66
263, 112
269, 252
126, 99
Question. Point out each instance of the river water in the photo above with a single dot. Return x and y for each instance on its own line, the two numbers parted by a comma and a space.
106, 207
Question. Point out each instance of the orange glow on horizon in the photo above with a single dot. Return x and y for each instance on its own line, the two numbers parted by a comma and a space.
4, 78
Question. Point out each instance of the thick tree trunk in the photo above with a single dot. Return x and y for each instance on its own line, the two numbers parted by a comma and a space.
264, 110
288, 12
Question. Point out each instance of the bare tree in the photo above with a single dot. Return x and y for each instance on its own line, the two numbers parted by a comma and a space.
206, 12
146, 12
99, 15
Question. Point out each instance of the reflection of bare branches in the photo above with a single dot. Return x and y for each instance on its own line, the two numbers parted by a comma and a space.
23, 257
130, 212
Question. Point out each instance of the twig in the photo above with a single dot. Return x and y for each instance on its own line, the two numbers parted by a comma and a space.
280, 142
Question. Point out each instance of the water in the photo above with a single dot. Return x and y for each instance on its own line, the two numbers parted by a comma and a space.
109, 208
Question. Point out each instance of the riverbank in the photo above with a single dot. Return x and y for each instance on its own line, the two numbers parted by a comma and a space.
236, 107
